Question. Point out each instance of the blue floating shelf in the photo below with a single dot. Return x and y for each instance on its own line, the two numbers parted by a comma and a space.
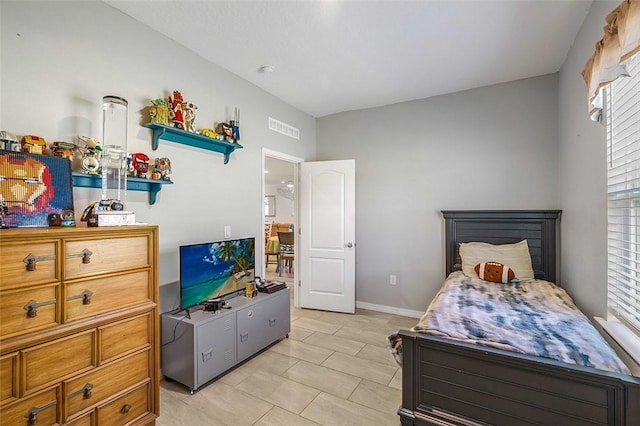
133, 184
160, 131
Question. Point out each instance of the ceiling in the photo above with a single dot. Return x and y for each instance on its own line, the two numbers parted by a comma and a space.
277, 171
330, 56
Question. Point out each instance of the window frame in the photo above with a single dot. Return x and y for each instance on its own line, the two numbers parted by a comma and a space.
622, 122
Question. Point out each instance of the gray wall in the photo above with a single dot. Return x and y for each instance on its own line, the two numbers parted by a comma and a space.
582, 175
489, 148
60, 58
504, 146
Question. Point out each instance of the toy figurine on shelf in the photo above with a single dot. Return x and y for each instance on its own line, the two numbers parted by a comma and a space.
190, 111
62, 149
159, 112
33, 144
209, 133
90, 155
175, 109
9, 141
224, 131
235, 126
162, 169
140, 164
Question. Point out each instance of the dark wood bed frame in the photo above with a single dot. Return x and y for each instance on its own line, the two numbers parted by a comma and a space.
445, 382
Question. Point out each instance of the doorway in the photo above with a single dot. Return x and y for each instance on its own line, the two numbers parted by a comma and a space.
280, 211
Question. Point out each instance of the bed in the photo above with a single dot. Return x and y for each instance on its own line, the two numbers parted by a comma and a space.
452, 382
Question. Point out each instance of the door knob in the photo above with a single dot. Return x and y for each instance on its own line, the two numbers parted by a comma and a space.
349, 245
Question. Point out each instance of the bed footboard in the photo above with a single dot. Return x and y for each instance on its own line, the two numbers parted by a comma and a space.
446, 382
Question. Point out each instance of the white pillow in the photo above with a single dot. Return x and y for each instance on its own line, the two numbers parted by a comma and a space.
515, 255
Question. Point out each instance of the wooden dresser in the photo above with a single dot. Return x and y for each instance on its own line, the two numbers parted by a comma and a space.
79, 328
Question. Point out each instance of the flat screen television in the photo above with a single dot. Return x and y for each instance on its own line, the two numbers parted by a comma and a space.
215, 269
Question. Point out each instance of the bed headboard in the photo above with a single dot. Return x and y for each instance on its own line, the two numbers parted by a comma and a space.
539, 227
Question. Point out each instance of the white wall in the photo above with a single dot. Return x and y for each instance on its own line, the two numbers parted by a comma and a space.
60, 58
488, 148
582, 174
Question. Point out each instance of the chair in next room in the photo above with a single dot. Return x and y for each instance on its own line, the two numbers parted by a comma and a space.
287, 251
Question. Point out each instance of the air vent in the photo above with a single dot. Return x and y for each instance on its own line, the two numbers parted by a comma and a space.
284, 128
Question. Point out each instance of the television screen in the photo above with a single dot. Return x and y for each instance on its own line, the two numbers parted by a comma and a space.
214, 269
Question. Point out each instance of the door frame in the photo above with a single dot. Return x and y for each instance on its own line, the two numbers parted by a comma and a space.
295, 161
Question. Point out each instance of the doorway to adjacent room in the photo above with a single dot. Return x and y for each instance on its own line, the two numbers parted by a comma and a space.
280, 210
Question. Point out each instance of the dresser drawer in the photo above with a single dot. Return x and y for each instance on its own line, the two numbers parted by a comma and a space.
43, 408
88, 419
105, 255
107, 294
14, 259
124, 337
25, 310
8, 378
126, 408
50, 362
102, 383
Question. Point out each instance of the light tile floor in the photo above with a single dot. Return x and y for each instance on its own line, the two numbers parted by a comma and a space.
334, 369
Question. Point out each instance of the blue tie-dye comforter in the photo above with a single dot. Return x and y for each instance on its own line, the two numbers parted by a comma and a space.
533, 317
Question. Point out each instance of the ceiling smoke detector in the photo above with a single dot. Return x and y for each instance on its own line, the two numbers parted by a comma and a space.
265, 69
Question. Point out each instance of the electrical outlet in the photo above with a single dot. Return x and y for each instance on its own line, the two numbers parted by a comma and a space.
393, 280
227, 231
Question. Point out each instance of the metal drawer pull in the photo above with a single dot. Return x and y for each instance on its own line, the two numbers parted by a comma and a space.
125, 408
32, 414
32, 306
84, 254
32, 259
85, 296
85, 391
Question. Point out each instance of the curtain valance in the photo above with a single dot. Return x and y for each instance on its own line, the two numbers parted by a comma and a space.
621, 41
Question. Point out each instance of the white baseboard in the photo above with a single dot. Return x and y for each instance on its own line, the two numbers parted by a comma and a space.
389, 309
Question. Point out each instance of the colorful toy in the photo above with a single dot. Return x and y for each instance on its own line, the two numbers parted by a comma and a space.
54, 219
62, 149
159, 112
224, 131
209, 132
235, 126
33, 144
140, 164
250, 289
68, 218
9, 141
90, 212
175, 109
90, 155
162, 166
190, 111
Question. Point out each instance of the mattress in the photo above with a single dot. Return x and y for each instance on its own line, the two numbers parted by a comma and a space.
534, 317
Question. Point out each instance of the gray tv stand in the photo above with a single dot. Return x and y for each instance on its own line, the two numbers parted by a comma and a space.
198, 349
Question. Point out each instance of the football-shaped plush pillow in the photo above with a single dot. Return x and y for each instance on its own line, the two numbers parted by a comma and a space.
494, 272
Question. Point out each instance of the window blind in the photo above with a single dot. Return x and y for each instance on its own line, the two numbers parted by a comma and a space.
623, 188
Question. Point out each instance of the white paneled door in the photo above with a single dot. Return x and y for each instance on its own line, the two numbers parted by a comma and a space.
326, 246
